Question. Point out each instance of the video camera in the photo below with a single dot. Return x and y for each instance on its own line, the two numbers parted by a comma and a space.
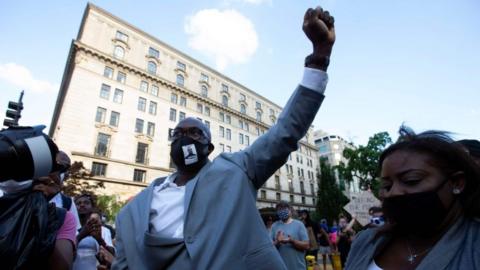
25, 152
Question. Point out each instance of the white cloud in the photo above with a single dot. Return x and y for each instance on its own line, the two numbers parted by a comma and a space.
21, 77
227, 36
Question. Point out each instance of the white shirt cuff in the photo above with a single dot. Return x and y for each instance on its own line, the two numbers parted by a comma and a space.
314, 79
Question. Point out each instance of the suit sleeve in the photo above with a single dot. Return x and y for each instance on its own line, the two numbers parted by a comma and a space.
270, 151
120, 261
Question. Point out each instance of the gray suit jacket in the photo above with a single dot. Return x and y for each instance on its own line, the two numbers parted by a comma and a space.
222, 226
459, 248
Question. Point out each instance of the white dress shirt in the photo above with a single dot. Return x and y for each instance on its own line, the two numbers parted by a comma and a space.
168, 202
167, 209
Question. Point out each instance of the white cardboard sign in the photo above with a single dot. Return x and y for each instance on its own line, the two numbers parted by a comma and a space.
359, 205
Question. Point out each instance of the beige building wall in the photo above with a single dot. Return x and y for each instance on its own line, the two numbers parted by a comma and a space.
76, 126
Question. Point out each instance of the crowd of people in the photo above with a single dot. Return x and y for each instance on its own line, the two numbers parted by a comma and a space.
204, 215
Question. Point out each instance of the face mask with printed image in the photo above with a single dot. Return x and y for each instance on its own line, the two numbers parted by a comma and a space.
188, 154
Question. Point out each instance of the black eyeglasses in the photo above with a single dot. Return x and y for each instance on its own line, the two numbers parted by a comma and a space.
193, 132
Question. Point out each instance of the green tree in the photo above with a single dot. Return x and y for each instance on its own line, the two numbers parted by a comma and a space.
79, 181
363, 162
330, 199
110, 205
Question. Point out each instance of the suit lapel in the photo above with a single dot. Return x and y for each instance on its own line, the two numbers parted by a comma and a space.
143, 204
190, 189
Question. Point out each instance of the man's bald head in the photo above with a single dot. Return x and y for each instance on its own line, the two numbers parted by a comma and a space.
191, 122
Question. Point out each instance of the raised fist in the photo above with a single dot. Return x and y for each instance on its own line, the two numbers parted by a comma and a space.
319, 27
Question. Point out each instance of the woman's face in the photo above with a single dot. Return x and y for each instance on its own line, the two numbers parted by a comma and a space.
406, 172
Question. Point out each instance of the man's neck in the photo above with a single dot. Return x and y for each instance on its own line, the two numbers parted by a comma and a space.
183, 177
289, 220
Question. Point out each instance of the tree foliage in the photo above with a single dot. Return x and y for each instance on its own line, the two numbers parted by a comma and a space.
330, 199
363, 162
110, 205
79, 181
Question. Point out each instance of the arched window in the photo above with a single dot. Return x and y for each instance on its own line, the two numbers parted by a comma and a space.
243, 109
152, 67
118, 52
204, 91
180, 80
259, 116
225, 101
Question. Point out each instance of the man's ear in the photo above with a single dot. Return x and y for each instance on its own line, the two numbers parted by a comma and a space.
210, 148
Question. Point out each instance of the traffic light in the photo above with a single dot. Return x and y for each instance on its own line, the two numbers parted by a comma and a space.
13, 112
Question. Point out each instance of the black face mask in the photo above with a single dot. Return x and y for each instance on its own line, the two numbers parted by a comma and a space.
417, 213
188, 154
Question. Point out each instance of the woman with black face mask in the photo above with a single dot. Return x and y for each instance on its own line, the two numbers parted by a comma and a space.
430, 192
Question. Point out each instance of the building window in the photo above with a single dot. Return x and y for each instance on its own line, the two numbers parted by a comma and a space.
180, 80
221, 115
173, 115
207, 124
278, 196
170, 134
243, 97
228, 119
247, 140
272, 113
259, 116
153, 53
118, 52
181, 116
121, 77
312, 190
225, 100
144, 86
258, 105
277, 182
114, 118
225, 88
142, 152
221, 132
247, 128
292, 199
152, 67
152, 109
203, 78
240, 124
108, 72
199, 108
263, 194
229, 134
118, 96
142, 104
139, 175
229, 149
302, 187
173, 98
100, 116
105, 91
240, 138
207, 111
121, 36
154, 90
181, 66
222, 147
183, 101
303, 200
103, 141
139, 125
99, 169
243, 108
204, 91
258, 131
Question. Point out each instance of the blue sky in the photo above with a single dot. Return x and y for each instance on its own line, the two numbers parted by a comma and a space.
394, 62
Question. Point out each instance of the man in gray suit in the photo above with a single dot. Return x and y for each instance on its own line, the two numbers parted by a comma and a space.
204, 215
